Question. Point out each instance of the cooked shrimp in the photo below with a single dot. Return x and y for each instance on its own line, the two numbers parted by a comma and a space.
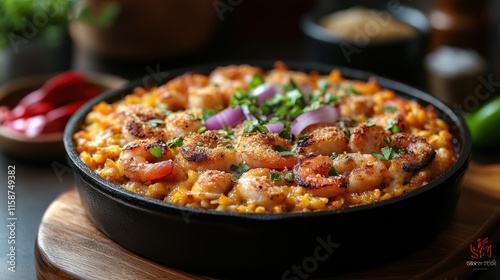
212, 184
363, 171
356, 106
282, 76
137, 162
417, 153
312, 172
234, 74
180, 124
175, 93
208, 151
260, 150
209, 97
323, 141
366, 139
143, 122
255, 186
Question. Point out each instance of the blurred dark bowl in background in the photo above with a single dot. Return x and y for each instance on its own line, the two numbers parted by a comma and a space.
400, 59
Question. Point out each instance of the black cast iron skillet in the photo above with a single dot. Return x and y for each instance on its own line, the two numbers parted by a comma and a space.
288, 246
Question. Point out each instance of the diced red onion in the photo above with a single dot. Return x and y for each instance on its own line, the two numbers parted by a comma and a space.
275, 127
228, 117
232, 116
264, 92
325, 114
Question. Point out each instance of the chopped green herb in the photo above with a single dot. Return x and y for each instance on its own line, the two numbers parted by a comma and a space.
290, 86
346, 159
199, 144
388, 153
323, 85
202, 129
370, 124
289, 176
284, 152
226, 133
349, 89
256, 81
332, 171
392, 125
275, 176
334, 156
176, 142
155, 122
254, 126
156, 151
164, 109
389, 109
229, 146
387, 138
304, 137
239, 169
207, 114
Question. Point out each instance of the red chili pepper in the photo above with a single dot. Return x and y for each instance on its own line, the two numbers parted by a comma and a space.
62, 89
48, 108
53, 121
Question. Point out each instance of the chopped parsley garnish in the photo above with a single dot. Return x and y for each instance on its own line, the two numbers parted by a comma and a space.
199, 144
156, 151
389, 109
370, 124
226, 133
176, 142
349, 89
289, 176
254, 126
164, 109
239, 169
202, 129
207, 114
284, 152
275, 176
392, 125
388, 153
229, 146
155, 122
256, 81
334, 156
332, 171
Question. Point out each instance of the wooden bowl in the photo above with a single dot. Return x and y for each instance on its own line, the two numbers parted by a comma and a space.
46, 146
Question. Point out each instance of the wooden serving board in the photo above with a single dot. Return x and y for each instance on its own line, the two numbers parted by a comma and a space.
68, 245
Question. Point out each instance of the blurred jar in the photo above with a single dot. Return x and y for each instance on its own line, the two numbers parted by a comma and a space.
453, 75
460, 23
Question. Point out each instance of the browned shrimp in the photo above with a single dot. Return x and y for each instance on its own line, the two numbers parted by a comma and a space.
255, 186
261, 150
175, 93
417, 152
180, 124
313, 173
208, 151
211, 184
363, 171
143, 122
145, 160
323, 141
366, 139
